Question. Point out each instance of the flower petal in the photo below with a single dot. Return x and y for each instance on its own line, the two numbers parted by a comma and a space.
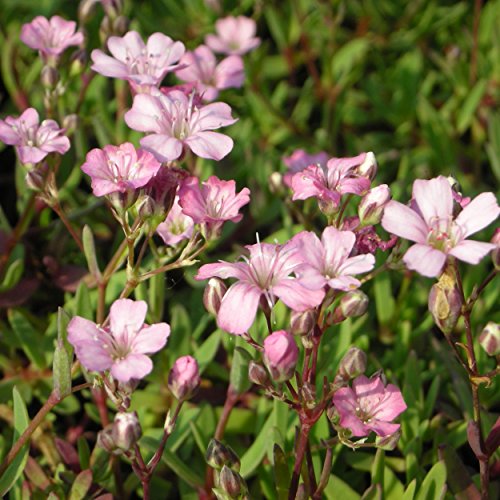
151, 338
211, 145
472, 251
402, 221
134, 366
425, 260
479, 213
126, 318
434, 198
238, 308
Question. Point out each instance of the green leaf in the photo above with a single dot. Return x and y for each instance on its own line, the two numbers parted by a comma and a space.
83, 453
61, 365
239, 370
374, 492
384, 299
377, 471
409, 493
434, 484
29, 339
207, 351
185, 472
459, 480
83, 306
468, 108
89, 250
21, 421
81, 485
281, 472
12, 275
337, 488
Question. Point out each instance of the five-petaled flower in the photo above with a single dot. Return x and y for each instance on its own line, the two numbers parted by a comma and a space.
235, 36
143, 65
176, 227
33, 140
123, 347
369, 406
176, 123
299, 160
437, 234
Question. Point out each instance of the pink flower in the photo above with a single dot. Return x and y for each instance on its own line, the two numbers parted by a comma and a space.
143, 65
327, 262
369, 406
280, 355
184, 378
299, 160
176, 124
52, 37
119, 168
235, 35
214, 203
122, 347
177, 226
434, 229
328, 183
33, 141
200, 66
268, 271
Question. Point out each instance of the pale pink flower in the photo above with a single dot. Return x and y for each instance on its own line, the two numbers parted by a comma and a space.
121, 348
214, 202
299, 160
177, 226
119, 168
200, 67
143, 65
235, 36
33, 140
176, 123
280, 355
268, 272
430, 223
52, 37
328, 262
369, 406
328, 183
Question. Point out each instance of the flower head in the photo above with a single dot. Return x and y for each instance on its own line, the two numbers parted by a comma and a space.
268, 272
176, 123
369, 406
52, 37
235, 35
33, 140
122, 347
177, 226
327, 262
280, 355
437, 234
119, 168
299, 160
143, 65
328, 183
200, 67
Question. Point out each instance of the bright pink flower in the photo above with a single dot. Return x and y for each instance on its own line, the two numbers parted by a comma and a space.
33, 140
119, 168
434, 229
328, 183
369, 406
327, 262
52, 37
299, 160
122, 347
280, 355
214, 203
184, 378
235, 36
200, 66
177, 226
267, 271
143, 65
176, 123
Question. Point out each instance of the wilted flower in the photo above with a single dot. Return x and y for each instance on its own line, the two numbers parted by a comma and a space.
184, 378
235, 35
267, 271
176, 123
52, 37
122, 347
200, 67
369, 406
119, 168
143, 65
280, 355
177, 226
33, 140
435, 231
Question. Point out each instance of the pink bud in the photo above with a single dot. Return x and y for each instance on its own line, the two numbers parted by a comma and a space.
213, 294
184, 378
258, 374
352, 364
280, 355
301, 323
352, 305
369, 166
490, 339
372, 205
126, 430
495, 255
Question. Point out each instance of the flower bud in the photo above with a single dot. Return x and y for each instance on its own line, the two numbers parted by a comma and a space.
352, 364
70, 122
232, 483
445, 302
276, 183
389, 442
126, 430
184, 378
35, 180
78, 61
490, 339
213, 294
218, 455
257, 374
301, 323
86, 9
49, 77
352, 305
307, 394
105, 440
280, 355
495, 254
120, 25
369, 167
372, 205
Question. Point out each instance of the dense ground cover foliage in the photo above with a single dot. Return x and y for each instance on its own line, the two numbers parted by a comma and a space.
248, 249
